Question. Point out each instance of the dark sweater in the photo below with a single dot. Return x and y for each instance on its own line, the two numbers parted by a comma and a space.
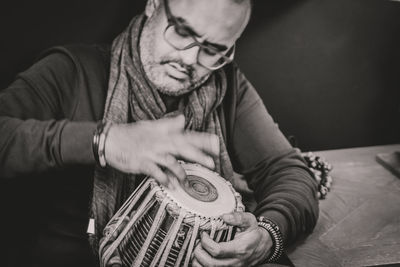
47, 118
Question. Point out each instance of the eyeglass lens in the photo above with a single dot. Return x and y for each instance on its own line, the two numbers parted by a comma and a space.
181, 39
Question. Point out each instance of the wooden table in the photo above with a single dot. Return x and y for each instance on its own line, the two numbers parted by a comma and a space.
359, 222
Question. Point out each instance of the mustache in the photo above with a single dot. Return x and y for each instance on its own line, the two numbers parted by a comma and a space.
189, 69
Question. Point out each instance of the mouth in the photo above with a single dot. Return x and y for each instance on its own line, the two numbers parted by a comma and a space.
176, 71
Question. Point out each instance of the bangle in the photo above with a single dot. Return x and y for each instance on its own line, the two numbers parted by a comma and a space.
277, 239
95, 143
99, 141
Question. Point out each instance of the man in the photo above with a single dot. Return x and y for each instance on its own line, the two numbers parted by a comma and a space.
165, 90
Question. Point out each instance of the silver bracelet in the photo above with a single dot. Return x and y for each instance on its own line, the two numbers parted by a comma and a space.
102, 143
276, 235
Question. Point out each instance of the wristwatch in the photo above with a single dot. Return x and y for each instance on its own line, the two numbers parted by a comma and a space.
277, 239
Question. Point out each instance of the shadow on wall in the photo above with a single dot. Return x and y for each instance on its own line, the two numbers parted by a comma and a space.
328, 71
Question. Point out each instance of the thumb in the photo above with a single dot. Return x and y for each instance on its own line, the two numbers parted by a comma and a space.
243, 220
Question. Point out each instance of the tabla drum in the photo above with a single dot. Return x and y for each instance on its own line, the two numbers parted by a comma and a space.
160, 226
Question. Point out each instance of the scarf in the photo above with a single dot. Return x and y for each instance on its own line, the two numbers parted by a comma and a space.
131, 98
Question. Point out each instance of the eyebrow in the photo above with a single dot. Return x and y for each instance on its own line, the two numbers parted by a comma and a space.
219, 47
216, 46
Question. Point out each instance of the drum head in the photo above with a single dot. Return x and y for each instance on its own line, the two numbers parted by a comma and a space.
203, 192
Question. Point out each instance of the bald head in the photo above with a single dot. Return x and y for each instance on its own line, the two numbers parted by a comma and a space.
225, 17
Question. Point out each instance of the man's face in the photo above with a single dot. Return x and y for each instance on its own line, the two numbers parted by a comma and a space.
173, 71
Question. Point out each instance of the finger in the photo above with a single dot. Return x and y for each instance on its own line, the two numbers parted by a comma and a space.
195, 263
181, 146
228, 249
169, 162
207, 142
206, 259
192, 154
243, 220
154, 171
172, 124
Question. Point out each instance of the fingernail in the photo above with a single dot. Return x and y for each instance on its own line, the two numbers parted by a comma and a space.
227, 217
183, 178
215, 144
170, 185
210, 163
203, 235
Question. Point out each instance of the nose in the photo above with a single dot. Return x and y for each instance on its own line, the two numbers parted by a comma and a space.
189, 56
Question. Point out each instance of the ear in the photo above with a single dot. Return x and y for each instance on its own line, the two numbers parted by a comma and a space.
151, 6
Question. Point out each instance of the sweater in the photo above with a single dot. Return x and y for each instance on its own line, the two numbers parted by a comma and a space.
47, 119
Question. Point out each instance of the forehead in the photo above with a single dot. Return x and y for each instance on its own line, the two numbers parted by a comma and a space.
219, 21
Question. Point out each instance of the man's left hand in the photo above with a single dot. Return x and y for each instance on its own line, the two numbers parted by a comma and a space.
251, 244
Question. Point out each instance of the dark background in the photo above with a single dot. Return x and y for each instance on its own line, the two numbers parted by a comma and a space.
327, 70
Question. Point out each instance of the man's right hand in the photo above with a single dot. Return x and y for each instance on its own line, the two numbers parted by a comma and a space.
152, 147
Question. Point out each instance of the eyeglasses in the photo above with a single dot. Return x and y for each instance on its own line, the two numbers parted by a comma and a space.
181, 37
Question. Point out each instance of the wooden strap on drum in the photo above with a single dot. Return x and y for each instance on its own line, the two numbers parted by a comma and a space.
177, 225
156, 223
193, 238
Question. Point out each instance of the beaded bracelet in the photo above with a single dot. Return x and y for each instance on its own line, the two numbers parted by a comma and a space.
99, 141
320, 169
277, 239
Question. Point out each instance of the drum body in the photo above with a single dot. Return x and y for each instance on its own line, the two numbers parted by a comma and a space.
159, 226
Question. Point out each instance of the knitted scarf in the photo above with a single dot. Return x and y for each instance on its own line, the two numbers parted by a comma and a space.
131, 98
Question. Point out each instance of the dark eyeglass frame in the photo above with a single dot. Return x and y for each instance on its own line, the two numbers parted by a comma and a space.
173, 21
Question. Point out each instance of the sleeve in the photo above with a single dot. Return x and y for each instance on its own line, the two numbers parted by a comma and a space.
283, 186
36, 133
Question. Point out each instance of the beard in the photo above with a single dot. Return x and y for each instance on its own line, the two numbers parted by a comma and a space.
155, 67
169, 85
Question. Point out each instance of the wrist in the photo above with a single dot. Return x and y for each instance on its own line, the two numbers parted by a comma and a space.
99, 142
267, 245
276, 237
